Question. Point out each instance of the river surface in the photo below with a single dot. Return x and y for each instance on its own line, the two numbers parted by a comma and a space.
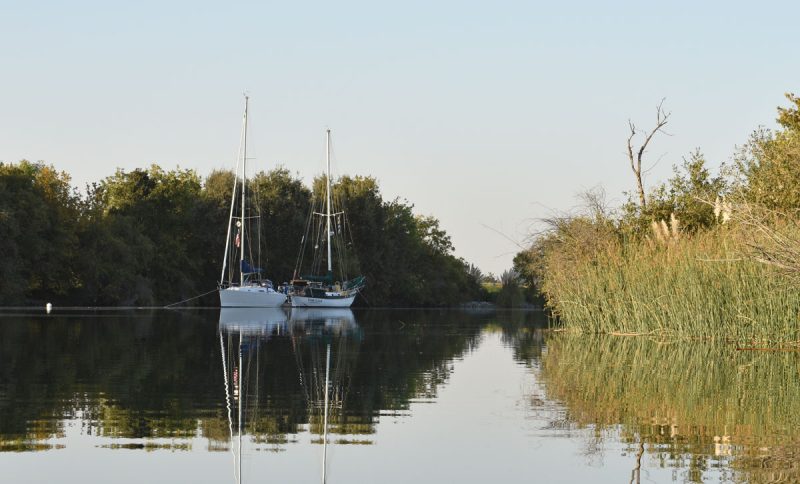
239, 396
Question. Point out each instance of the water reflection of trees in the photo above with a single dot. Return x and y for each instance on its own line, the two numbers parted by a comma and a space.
523, 332
690, 406
157, 375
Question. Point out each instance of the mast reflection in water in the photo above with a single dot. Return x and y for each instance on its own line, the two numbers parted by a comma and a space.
324, 344
441, 396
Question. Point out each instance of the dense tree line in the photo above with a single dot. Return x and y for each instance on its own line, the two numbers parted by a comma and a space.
152, 237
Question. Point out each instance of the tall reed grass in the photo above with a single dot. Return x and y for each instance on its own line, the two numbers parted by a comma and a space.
702, 286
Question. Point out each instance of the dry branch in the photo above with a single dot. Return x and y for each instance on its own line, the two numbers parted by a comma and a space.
662, 118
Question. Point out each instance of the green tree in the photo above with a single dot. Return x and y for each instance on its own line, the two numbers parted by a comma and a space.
39, 214
154, 214
433, 235
511, 293
406, 258
154, 236
530, 281
789, 117
283, 203
690, 195
768, 166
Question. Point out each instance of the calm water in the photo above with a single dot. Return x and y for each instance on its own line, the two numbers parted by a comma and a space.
413, 396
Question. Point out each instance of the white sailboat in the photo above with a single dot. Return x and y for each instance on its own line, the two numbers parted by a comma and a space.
322, 290
249, 289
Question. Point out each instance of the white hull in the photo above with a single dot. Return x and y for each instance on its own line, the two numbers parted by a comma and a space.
317, 302
250, 297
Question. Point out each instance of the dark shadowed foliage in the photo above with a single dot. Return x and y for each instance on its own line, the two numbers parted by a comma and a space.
154, 237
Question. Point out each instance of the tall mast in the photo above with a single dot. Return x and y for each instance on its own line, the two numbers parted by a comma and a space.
328, 198
244, 185
226, 254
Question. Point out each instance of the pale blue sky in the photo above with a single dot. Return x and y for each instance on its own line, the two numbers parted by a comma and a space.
480, 113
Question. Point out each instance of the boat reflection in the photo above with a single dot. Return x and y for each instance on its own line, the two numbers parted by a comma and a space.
338, 321
253, 321
324, 343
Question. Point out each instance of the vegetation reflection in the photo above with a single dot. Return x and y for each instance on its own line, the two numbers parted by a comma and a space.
156, 380
696, 406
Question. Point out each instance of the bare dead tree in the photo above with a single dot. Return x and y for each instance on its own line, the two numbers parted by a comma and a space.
662, 117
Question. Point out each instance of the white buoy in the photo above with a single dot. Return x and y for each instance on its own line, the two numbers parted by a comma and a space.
49, 307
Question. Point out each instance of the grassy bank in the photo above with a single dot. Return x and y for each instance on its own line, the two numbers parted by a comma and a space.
703, 286
701, 256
